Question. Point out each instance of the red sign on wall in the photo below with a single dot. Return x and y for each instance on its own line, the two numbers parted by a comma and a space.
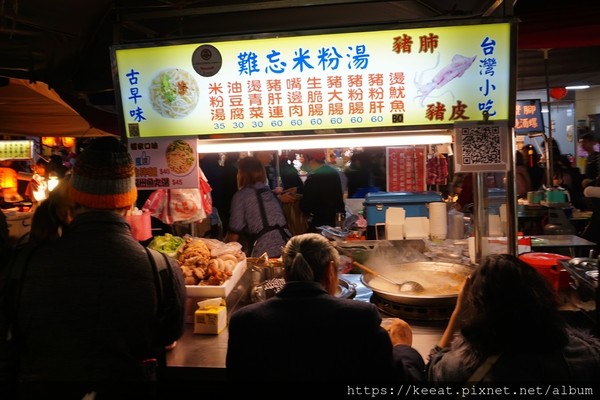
406, 168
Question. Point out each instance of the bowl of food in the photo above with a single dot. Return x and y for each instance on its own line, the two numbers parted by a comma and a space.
174, 93
181, 157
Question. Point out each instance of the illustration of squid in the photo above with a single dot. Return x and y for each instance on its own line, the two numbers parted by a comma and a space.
455, 69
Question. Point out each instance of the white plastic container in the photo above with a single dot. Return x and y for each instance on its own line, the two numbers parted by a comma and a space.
456, 225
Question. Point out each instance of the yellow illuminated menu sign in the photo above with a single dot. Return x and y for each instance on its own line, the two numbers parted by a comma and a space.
374, 79
16, 149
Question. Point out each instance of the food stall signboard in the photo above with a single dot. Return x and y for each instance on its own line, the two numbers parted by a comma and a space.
528, 117
16, 149
165, 163
406, 168
394, 79
482, 146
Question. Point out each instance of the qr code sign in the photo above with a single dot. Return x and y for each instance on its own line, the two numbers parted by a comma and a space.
134, 130
481, 145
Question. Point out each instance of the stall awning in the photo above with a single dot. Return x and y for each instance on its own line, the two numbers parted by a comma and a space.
33, 109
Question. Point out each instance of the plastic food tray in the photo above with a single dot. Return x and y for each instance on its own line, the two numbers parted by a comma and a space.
223, 290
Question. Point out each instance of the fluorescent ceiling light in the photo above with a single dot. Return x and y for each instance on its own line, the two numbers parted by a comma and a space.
577, 87
323, 141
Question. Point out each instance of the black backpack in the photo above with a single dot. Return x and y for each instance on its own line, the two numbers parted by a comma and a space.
170, 319
169, 312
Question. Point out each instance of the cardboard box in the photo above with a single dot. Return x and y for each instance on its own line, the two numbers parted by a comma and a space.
210, 317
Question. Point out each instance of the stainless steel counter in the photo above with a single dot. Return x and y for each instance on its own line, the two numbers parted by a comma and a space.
203, 356
573, 245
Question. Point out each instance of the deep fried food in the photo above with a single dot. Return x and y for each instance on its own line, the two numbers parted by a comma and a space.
200, 268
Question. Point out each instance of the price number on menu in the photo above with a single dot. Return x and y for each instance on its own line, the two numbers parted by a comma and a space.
164, 171
176, 182
298, 123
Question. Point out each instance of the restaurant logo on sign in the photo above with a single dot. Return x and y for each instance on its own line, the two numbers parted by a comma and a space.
390, 78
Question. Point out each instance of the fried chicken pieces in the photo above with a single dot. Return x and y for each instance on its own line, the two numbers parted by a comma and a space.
199, 267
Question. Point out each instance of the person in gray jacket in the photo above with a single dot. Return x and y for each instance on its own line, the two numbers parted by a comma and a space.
87, 318
506, 328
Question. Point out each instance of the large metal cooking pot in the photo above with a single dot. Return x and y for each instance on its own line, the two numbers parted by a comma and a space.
442, 282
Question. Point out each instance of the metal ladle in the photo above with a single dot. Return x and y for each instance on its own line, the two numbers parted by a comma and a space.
406, 286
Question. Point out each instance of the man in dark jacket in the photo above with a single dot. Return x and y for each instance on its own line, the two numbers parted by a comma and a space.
592, 162
306, 334
87, 315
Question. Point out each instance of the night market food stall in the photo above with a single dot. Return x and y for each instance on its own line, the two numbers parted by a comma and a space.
402, 88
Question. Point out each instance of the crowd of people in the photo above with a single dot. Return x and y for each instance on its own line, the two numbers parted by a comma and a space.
310, 190
70, 326
531, 174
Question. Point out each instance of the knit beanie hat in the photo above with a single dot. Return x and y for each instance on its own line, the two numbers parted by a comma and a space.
104, 176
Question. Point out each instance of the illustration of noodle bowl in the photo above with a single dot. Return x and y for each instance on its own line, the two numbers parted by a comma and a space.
174, 93
180, 157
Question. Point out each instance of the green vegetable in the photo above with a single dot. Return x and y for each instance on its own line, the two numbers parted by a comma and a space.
167, 244
167, 88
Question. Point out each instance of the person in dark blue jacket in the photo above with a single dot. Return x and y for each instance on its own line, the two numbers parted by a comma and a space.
87, 318
312, 335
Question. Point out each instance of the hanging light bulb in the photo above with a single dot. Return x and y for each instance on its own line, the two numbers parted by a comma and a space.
52, 182
41, 191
